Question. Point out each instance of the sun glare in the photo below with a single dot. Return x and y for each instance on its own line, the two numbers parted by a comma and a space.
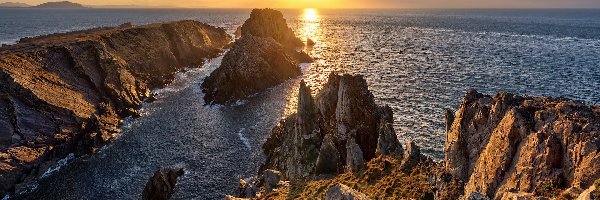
310, 14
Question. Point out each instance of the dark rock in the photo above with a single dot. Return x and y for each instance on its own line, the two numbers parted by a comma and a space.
354, 156
412, 156
327, 162
387, 143
161, 185
271, 179
270, 23
343, 192
238, 32
310, 42
252, 65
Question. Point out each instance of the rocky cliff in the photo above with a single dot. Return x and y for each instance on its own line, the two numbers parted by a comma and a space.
510, 145
501, 147
66, 93
263, 57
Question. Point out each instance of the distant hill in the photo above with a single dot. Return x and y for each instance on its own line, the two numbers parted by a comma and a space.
13, 5
60, 4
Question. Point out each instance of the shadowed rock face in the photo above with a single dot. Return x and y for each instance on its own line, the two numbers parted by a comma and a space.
66, 93
509, 144
161, 185
252, 65
263, 57
317, 137
270, 23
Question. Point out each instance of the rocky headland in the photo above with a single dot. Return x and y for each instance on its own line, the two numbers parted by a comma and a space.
264, 56
341, 145
67, 93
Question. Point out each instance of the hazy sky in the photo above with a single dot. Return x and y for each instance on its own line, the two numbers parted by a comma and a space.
344, 3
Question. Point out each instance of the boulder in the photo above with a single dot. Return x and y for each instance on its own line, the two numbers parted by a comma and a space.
310, 42
270, 23
271, 179
252, 65
162, 184
342, 192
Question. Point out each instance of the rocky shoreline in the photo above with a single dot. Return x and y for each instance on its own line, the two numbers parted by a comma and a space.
339, 146
67, 93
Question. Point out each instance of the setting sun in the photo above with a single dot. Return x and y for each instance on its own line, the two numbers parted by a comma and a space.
310, 14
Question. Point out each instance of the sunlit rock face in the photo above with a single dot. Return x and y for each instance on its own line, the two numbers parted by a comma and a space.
270, 23
253, 64
343, 111
66, 93
517, 144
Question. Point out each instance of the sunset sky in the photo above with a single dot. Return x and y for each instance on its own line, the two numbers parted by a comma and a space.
344, 3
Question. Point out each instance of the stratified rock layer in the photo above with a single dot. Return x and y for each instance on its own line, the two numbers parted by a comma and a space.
65, 93
509, 144
252, 65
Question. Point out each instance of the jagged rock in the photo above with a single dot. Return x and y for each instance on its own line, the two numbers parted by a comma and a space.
252, 65
387, 143
310, 42
248, 188
53, 86
412, 156
270, 23
343, 192
343, 109
449, 119
354, 156
162, 184
271, 179
327, 162
514, 144
592, 193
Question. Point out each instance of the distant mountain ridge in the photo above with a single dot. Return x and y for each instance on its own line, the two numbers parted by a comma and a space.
59, 4
13, 5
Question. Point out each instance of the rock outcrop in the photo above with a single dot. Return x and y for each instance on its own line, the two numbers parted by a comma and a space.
263, 57
161, 185
336, 131
501, 147
510, 144
270, 23
252, 65
343, 192
66, 93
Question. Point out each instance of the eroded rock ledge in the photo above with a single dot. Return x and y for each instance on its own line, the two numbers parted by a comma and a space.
66, 93
263, 57
501, 147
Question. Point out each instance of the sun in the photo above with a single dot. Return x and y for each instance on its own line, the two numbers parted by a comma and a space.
310, 14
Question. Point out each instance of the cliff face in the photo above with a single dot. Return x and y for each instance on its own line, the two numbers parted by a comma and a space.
65, 93
510, 145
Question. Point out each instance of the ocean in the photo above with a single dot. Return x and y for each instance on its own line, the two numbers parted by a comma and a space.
420, 62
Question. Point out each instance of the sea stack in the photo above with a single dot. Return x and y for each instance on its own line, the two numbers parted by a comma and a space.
66, 93
263, 57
